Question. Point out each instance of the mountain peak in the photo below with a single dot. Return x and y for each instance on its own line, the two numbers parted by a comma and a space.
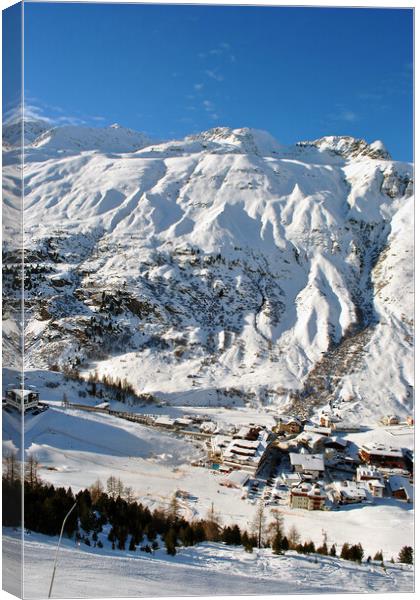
349, 147
245, 139
73, 138
32, 128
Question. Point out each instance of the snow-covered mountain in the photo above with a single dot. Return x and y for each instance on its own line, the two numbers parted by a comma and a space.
13, 131
223, 268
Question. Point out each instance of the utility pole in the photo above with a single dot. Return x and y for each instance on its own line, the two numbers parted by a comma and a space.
58, 547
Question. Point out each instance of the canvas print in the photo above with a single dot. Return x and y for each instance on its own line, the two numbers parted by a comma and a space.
207, 300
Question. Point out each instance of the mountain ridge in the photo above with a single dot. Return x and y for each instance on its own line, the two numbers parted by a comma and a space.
224, 268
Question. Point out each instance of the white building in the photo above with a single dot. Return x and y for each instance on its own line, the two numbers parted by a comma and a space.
307, 496
311, 440
165, 422
376, 487
400, 487
22, 399
349, 492
318, 429
236, 479
247, 455
366, 473
308, 464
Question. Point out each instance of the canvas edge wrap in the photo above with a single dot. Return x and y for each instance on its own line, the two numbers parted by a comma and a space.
12, 289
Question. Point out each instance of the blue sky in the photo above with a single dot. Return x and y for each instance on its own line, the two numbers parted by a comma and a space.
299, 73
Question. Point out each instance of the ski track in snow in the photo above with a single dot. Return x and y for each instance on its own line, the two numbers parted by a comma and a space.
208, 569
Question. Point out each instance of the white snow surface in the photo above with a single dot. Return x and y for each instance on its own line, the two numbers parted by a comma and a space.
75, 448
207, 569
251, 260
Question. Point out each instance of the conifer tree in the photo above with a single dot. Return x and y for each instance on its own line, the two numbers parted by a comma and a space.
284, 544
277, 544
345, 551
170, 542
132, 545
406, 555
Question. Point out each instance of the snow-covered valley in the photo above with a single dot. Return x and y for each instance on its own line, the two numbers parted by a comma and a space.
222, 277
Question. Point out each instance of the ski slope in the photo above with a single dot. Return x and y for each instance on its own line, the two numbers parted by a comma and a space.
208, 569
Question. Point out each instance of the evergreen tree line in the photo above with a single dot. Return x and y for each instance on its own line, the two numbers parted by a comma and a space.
101, 386
132, 525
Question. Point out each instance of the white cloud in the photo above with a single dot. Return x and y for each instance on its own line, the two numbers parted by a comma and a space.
198, 86
53, 115
344, 114
213, 74
29, 112
208, 105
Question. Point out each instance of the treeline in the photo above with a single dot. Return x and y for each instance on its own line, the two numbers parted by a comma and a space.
101, 386
131, 525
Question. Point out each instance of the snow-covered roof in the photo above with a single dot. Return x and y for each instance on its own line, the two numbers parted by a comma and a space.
22, 393
398, 482
366, 472
309, 489
291, 479
247, 450
350, 490
382, 450
165, 421
287, 420
308, 462
318, 429
243, 432
183, 421
102, 405
309, 438
238, 478
338, 441
376, 483
208, 426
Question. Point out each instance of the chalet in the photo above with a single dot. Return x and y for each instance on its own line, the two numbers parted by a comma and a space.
376, 487
236, 479
183, 422
336, 444
400, 488
314, 442
208, 427
348, 492
318, 429
166, 422
247, 433
219, 443
288, 425
346, 427
308, 496
326, 421
289, 479
382, 456
365, 473
247, 455
21, 399
391, 420
308, 464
